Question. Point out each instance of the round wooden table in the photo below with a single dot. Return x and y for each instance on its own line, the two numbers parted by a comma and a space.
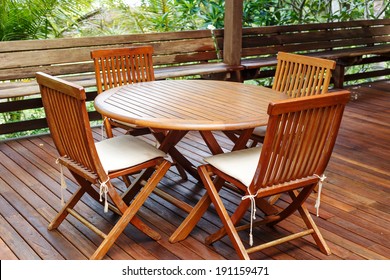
178, 106
171, 108
201, 105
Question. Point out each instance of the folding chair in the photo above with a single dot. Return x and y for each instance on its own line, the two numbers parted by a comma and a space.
298, 75
93, 165
300, 138
122, 66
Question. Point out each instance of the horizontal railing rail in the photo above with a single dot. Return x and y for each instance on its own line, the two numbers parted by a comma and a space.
198, 54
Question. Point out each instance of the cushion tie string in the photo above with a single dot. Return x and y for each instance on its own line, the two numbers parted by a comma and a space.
63, 182
103, 189
253, 213
318, 201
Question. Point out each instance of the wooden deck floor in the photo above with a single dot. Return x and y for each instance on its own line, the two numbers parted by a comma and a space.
354, 215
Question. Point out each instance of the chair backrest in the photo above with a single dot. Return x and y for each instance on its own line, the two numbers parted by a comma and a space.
301, 134
300, 75
68, 121
122, 66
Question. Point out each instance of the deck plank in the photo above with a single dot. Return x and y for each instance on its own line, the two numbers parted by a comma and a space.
6, 252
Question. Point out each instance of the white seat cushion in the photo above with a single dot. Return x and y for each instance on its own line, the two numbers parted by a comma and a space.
240, 165
260, 130
125, 151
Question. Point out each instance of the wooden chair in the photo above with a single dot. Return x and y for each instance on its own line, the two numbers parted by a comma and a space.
300, 137
122, 66
93, 165
298, 75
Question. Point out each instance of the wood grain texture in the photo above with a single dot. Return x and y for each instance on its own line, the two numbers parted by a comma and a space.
189, 104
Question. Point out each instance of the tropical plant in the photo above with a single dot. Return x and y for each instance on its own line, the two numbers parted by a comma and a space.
123, 16
37, 19
154, 15
171, 15
283, 12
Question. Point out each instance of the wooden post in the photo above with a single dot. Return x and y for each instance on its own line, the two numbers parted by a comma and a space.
232, 43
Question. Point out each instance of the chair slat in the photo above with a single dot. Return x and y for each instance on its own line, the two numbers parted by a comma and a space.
299, 75
122, 66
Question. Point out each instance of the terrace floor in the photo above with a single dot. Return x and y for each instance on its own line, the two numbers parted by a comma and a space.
354, 214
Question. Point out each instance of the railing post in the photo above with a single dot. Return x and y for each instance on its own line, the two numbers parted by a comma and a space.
232, 43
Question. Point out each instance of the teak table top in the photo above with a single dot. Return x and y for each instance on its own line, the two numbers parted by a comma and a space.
188, 104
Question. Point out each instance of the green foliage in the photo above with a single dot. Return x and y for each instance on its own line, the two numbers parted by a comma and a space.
156, 15
174, 15
170, 15
284, 12
37, 19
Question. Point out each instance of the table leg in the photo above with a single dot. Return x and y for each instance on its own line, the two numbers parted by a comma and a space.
243, 139
232, 135
239, 138
239, 141
168, 142
211, 142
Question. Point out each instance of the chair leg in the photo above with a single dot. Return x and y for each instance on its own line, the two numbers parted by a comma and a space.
181, 171
191, 220
224, 216
86, 188
108, 127
135, 221
60, 217
294, 205
126, 180
137, 184
297, 204
272, 199
195, 215
317, 236
130, 212
122, 206
140, 225
235, 218
239, 213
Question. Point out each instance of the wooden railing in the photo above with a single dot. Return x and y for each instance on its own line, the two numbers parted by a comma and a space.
196, 53
361, 42
176, 54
